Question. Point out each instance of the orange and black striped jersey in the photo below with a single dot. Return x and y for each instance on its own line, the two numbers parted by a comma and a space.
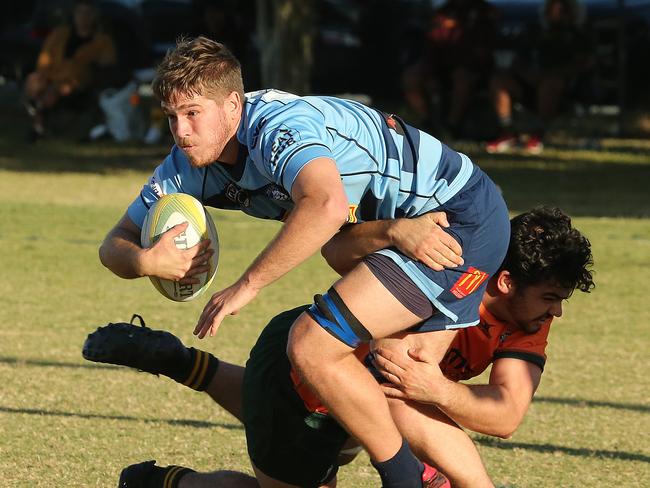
471, 352
475, 348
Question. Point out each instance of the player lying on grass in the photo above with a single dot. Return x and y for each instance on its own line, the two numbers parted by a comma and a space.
317, 163
288, 437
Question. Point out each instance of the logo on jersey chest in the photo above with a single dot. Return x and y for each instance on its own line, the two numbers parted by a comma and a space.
242, 197
469, 282
238, 195
504, 336
455, 366
485, 328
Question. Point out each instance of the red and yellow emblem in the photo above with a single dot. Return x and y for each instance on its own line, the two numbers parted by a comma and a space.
352, 214
468, 282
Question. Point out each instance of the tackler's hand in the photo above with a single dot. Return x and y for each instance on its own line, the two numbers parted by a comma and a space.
414, 377
423, 238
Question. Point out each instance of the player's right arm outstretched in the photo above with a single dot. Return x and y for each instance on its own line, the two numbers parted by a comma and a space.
122, 253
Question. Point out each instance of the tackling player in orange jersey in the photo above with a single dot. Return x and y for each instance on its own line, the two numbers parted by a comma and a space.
547, 260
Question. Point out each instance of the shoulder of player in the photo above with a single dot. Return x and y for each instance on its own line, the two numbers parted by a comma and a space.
517, 344
271, 109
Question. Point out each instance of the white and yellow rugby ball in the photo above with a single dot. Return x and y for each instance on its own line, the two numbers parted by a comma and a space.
171, 210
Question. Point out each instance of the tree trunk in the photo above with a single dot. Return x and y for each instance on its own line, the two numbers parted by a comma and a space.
285, 32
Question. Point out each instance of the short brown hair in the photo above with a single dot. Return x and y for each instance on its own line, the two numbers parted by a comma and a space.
200, 67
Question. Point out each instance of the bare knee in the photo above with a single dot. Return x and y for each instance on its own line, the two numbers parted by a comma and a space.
302, 347
34, 85
313, 351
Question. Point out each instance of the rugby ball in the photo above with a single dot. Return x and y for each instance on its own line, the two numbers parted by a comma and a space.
171, 210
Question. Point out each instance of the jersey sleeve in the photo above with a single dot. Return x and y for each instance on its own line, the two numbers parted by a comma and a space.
282, 143
527, 347
173, 175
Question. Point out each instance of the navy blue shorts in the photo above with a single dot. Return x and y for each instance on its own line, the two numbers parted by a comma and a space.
478, 219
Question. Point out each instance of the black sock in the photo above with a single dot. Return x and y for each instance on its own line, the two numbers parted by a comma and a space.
196, 370
403, 470
168, 477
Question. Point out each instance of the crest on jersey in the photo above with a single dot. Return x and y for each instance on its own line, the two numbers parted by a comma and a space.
469, 282
155, 186
504, 336
352, 214
276, 192
485, 328
286, 137
258, 129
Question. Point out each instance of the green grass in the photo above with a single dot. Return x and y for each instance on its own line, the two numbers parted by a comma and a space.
66, 422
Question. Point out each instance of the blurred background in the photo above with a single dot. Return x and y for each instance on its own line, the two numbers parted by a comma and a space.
508, 73
549, 97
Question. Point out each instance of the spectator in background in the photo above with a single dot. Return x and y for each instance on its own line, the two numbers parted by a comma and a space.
67, 62
546, 68
457, 56
220, 21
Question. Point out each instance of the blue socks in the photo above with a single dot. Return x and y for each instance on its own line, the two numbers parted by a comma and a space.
403, 470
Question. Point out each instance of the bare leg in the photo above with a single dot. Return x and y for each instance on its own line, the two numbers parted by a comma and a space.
549, 95
500, 91
437, 440
463, 81
268, 482
218, 479
226, 388
329, 366
414, 82
434, 437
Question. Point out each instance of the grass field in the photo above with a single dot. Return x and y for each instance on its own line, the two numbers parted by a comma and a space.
68, 423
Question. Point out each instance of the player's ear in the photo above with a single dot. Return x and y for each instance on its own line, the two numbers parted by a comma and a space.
505, 284
232, 103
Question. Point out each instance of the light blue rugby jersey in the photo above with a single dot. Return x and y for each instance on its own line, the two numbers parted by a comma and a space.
388, 168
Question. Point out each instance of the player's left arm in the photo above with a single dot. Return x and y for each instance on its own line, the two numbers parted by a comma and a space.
504, 401
320, 209
494, 409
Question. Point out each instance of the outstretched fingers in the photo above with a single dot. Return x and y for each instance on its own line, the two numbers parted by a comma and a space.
387, 363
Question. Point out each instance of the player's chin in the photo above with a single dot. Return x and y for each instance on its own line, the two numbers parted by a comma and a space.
533, 327
195, 158
198, 162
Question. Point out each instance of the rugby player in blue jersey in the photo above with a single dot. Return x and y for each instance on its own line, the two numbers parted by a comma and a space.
318, 163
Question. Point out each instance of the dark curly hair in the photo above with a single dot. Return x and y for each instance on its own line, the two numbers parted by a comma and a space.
544, 247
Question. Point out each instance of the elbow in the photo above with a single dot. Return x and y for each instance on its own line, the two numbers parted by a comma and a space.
505, 434
507, 430
328, 252
337, 211
103, 255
